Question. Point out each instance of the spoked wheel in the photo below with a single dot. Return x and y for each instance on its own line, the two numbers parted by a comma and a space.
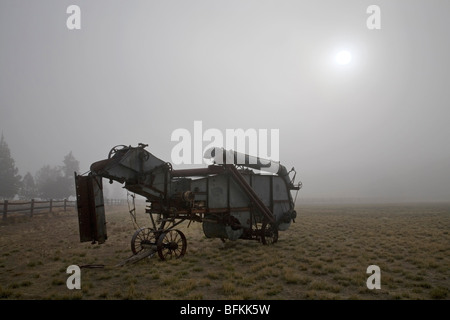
269, 233
171, 244
114, 150
143, 239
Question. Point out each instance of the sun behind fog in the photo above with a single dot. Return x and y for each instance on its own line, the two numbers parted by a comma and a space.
343, 57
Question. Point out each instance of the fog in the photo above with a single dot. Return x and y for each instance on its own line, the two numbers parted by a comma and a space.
377, 128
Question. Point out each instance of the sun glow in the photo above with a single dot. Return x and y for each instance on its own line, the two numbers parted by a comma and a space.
343, 57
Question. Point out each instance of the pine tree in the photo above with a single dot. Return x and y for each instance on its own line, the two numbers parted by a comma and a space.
57, 182
70, 166
9, 179
50, 183
28, 188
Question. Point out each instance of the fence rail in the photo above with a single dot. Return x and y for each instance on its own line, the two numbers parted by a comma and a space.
33, 206
115, 202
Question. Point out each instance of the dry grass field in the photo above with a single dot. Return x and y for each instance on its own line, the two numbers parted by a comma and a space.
324, 255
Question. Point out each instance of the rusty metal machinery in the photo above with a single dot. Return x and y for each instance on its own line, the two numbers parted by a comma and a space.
229, 198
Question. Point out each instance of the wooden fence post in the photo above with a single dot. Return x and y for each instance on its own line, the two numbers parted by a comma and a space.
5, 209
32, 207
51, 205
65, 204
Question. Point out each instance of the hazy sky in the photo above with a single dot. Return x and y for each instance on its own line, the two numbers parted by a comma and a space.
138, 70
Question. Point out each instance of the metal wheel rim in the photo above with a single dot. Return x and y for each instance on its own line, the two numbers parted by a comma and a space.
172, 244
269, 234
140, 237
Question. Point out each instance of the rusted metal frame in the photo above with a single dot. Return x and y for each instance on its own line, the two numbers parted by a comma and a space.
151, 218
142, 175
225, 217
213, 210
174, 224
194, 216
161, 225
134, 187
256, 230
100, 165
179, 215
251, 193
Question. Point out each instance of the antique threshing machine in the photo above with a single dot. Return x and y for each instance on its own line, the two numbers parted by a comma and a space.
228, 197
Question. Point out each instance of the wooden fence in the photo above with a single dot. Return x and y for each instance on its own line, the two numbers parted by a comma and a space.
115, 202
33, 206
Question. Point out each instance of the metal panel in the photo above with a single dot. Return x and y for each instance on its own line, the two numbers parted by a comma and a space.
180, 185
218, 191
237, 197
261, 186
280, 191
91, 210
200, 188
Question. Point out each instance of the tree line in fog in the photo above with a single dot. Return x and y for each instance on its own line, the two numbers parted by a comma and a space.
49, 182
